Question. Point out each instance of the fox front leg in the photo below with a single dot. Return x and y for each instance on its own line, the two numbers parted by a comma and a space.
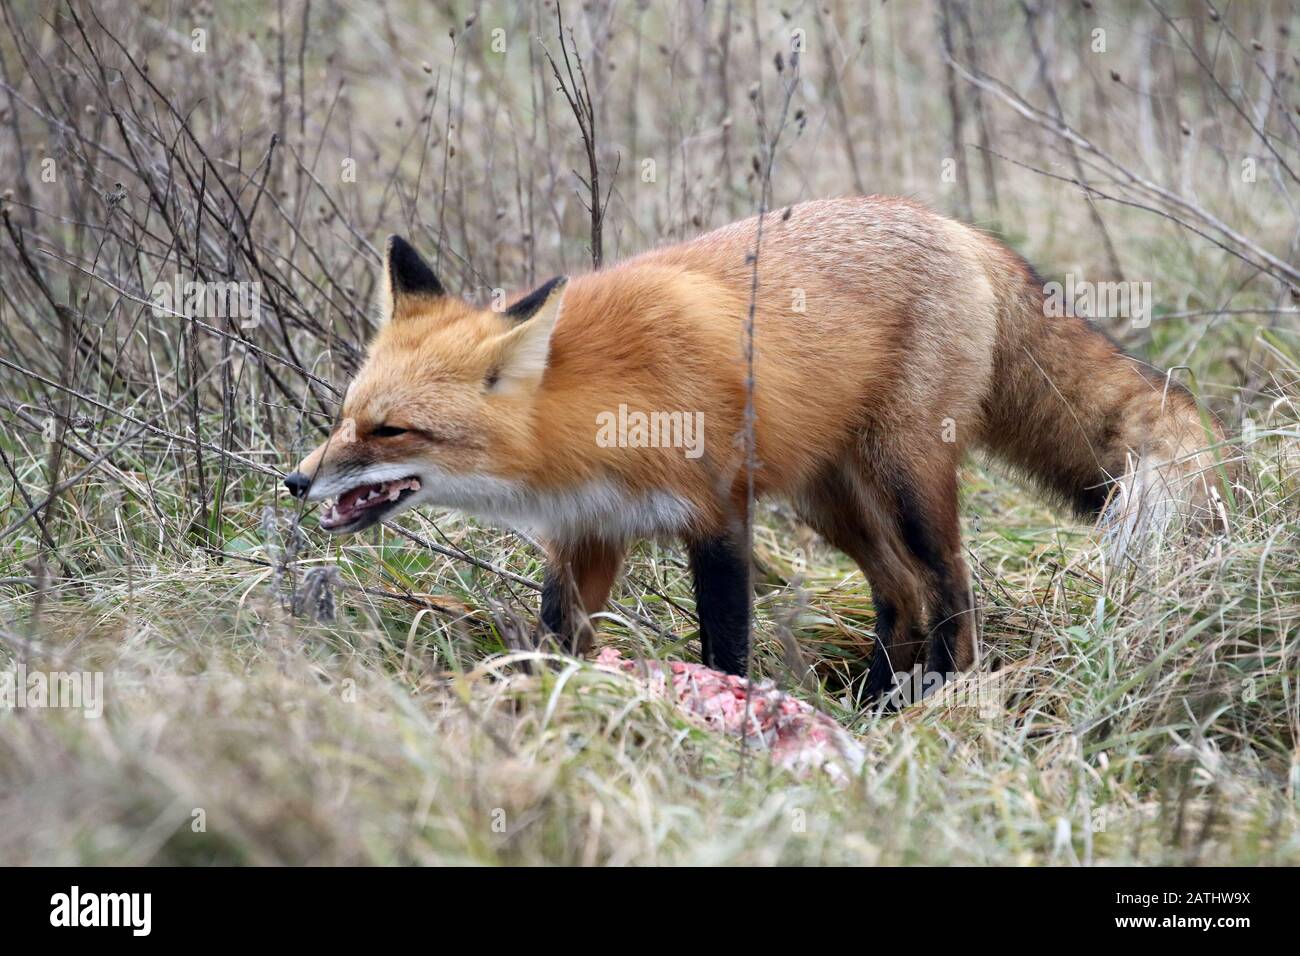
721, 566
579, 576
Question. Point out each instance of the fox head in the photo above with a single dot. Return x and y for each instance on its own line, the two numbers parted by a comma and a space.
441, 406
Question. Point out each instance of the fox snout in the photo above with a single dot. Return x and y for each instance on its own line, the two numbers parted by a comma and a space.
297, 483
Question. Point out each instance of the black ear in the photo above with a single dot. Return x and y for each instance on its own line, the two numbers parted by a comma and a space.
527, 307
408, 273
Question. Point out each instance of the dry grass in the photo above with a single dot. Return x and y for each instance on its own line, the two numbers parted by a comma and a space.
1146, 713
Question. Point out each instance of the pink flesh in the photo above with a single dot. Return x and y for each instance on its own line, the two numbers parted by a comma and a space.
799, 736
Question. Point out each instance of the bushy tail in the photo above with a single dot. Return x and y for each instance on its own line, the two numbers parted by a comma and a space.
1098, 430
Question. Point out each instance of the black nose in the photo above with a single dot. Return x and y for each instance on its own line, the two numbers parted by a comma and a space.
297, 483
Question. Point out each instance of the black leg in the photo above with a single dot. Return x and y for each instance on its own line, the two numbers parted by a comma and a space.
880, 675
579, 576
722, 601
559, 606
888, 686
951, 607
934, 538
952, 622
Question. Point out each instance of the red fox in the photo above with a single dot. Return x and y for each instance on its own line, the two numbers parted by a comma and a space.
888, 342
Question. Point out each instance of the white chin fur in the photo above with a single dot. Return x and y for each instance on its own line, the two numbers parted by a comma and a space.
600, 507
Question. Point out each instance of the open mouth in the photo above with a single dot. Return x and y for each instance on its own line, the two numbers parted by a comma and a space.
362, 506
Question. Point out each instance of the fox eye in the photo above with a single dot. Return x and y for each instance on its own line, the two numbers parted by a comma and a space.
387, 431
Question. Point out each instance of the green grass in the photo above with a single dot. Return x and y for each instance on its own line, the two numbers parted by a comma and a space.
1145, 714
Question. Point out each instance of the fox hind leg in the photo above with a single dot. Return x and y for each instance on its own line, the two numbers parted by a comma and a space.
853, 512
931, 527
